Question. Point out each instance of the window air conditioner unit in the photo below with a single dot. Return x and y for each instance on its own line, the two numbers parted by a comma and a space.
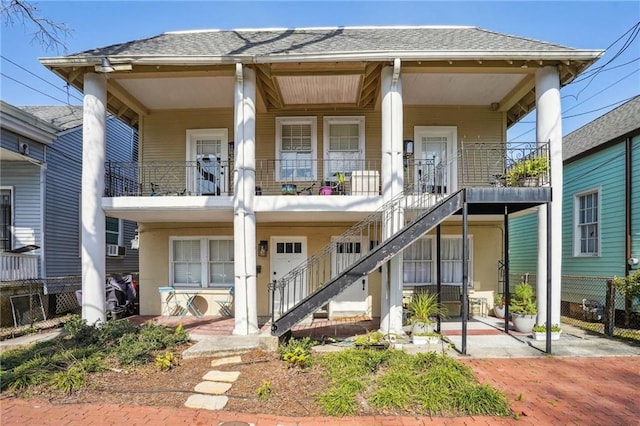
114, 250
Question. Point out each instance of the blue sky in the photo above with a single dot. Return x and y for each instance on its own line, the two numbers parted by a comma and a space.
578, 24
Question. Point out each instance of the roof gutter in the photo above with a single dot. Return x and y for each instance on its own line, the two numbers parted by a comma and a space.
576, 55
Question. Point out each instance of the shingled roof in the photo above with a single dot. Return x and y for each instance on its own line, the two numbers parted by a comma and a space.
64, 117
615, 124
310, 41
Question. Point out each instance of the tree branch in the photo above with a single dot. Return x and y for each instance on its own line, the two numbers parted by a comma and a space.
48, 33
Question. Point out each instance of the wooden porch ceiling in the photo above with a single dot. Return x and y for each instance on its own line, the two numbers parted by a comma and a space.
361, 78
355, 85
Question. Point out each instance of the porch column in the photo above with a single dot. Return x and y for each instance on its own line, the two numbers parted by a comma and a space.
94, 139
244, 218
549, 129
392, 183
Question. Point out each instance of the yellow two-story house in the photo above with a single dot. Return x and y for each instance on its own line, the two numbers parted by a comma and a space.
329, 170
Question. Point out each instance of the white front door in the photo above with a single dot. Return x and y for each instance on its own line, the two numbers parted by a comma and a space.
208, 154
435, 159
286, 254
354, 301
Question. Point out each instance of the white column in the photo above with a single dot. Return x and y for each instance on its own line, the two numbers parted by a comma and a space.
392, 183
549, 129
244, 219
93, 221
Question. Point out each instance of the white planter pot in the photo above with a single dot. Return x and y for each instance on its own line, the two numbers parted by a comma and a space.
523, 323
498, 311
542, 335
423, 340
422, 327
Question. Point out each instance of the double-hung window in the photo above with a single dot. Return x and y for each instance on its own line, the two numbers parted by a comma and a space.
586, 233
296, 140
201, 262
113, 230
419, 261
344, 145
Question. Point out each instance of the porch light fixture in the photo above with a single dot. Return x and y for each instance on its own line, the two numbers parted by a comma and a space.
263, 247
105, 66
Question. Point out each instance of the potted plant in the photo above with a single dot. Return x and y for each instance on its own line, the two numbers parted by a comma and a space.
341, 178
431, 338
539, 332
523, 308
424, 310
527, 172
498, 305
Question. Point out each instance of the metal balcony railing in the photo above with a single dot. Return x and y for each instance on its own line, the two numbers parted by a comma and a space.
166, 178
500, 164
476, 164
317, 177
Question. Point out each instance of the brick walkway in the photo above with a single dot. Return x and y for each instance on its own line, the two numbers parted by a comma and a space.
542, 391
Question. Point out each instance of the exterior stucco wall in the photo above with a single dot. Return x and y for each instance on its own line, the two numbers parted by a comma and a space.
154, 257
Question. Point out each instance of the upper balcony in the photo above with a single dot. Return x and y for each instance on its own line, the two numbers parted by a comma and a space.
203, 190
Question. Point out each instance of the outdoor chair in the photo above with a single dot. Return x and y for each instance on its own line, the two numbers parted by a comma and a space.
169, 302
226, 306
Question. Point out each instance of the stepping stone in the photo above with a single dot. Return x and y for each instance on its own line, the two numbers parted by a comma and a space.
213, 388
226, 360
221, 376
207, 402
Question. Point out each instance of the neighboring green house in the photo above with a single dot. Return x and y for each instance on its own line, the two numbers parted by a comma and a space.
601, 209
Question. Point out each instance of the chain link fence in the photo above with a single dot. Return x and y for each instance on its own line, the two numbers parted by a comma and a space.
593, 304
29, 305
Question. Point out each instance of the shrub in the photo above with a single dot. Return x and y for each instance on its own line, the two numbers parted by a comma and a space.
297, 352
264, 390
166, 361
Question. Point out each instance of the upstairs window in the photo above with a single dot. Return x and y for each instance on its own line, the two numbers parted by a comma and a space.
587, 224
344, 145
296, 149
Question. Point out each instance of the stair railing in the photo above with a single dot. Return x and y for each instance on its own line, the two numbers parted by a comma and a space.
353, 244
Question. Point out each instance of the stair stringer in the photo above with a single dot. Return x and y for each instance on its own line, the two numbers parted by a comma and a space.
372, 260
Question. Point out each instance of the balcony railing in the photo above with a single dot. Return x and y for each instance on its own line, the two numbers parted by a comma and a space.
476, 164
162, 178
317, 177
18, 266
499, 164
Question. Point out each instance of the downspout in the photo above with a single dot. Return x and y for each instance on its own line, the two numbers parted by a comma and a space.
628, 222
627, 207
43, 203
